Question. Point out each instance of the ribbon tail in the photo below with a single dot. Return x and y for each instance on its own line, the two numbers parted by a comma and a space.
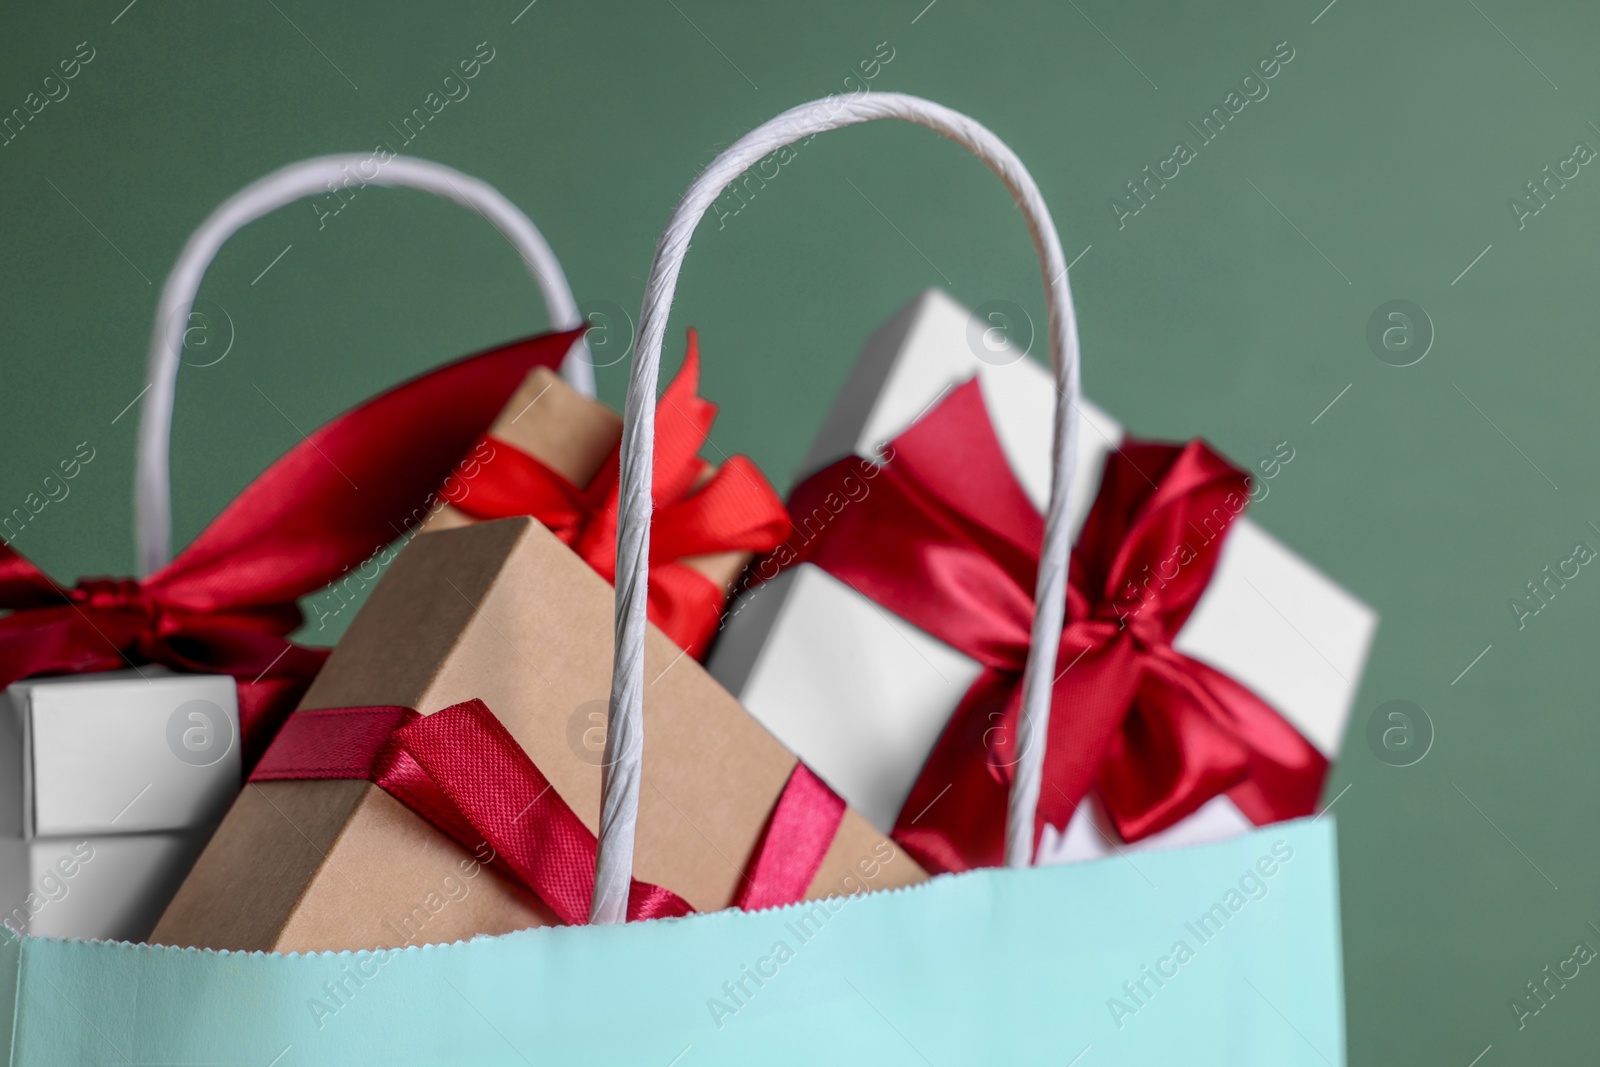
683, 421
1195, 734
954, 819
351, 487
1287, 772
796, 839
23, 585
1089, 701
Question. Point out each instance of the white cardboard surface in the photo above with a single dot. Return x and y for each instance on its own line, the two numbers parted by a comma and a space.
90, 766
862, 696
116, 894
98, 753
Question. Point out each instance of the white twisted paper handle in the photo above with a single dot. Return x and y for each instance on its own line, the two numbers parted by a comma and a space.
625, 730
152, 486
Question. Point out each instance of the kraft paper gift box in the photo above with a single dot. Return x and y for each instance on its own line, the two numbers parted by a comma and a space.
574, 436
109, 785
505, 612
863, 698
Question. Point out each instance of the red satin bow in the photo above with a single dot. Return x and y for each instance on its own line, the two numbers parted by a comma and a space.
225, 604
734, 510
948, 541
462, 771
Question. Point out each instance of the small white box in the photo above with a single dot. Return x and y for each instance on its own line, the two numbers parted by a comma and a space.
112, 887
862, 696
117, 752
136, 767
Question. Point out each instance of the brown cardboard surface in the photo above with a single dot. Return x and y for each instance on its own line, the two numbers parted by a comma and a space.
549, 420
573, 435
860, 859
504, 612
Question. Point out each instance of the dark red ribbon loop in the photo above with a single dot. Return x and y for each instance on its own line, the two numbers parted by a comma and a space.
462, 771
947, 540
732, 510
225, 604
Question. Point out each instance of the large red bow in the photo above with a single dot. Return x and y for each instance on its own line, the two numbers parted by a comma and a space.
948, 541
734, 510
462, 771
225, 604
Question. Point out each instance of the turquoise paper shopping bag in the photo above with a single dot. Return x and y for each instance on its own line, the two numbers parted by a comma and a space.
1222, 954
1195, 956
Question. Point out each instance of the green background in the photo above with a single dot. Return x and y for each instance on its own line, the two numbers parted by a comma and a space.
1234, 306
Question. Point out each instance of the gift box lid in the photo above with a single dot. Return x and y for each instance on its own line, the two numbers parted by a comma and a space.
118, 752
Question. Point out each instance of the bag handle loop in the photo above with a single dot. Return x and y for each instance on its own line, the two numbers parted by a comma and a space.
152, 490
621, 769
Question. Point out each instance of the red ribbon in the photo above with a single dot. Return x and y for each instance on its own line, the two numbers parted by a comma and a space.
462, 771
225, 604
734, 510
947, 540
797, 835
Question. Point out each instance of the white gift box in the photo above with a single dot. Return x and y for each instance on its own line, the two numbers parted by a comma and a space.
862, 696
111, 887
109, 785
